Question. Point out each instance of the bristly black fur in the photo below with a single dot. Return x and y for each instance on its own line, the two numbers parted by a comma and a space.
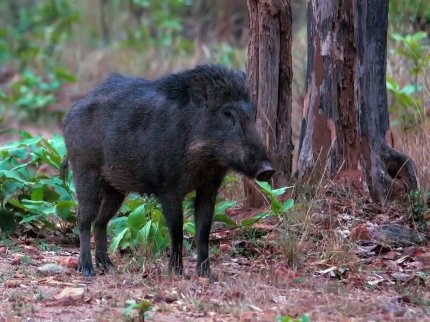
168, 136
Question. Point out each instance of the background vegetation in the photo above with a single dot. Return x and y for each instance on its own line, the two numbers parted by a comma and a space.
53, 51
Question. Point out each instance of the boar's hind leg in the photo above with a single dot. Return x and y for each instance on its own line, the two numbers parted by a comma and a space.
111, 201
88, 194
172, 209
204, 209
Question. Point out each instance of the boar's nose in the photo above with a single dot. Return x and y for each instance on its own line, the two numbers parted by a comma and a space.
265, 172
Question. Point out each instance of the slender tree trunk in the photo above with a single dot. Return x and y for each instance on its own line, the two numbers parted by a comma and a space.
104, 21
345, 111
270, 75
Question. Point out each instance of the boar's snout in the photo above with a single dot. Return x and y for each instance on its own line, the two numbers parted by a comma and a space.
265, 172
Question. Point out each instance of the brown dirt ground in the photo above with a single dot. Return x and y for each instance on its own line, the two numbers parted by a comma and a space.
259, 287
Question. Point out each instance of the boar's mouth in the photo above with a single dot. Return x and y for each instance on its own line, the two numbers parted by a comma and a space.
265, 171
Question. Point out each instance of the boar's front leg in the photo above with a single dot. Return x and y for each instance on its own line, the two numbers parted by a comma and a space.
111, 202
88, 194
204, 209
172, 209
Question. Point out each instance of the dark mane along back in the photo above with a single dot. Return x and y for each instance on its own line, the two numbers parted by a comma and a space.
210, 80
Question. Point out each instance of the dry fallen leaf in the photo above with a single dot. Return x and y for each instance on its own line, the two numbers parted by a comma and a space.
225, 248
67, 301
75, 293
12, 283
31, 250
70, 262
16, 259
247, 316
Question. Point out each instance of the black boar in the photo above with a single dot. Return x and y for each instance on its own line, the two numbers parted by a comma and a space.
166, 137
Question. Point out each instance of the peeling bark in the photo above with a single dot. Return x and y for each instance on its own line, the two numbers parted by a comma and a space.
346, 119
270, 74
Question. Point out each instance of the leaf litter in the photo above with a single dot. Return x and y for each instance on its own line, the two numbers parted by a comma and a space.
380, 279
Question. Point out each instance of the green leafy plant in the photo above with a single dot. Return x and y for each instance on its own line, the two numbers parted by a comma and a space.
168, 17
143, 309
30, 43
30, 183
285, 318
226, 54
29, 95
277, 208
40, 31
419, 209
144, 226
408, 101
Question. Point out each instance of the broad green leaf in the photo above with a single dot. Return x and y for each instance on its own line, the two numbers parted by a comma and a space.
409, 89
16, 203
265, 186
117, 224
129, 308
280, 191
58, 145
63, 209
275, 205
12, 175
20, 153
144, 233
397, 37
22, 143
160, 237
10, 190
64, 74
31, 218
254, 219
187, 245
222, 206
225, 219
37, 194
392, 84
287, 205
116, 240
420, 35
137, 218
126, 241
5, 164
157, 216
190, 228
44, 207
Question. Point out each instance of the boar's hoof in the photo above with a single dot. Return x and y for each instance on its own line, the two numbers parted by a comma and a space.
265, 172
86, 271
105, 264
203, 269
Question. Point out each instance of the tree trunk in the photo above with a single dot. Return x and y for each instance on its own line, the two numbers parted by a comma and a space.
270, 74
346, 118
104, 21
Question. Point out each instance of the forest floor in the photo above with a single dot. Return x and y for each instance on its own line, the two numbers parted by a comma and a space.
341, 271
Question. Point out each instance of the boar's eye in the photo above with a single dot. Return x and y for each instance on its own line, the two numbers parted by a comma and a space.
230, 116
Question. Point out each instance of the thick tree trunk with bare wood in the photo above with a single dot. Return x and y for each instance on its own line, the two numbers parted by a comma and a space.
270, 74
346, 121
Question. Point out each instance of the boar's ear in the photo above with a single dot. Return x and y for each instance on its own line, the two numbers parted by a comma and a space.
199, 92
199, 98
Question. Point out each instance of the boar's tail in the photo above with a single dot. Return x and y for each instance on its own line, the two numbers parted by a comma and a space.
64, 167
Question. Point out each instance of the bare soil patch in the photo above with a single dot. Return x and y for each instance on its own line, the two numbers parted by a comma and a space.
255, 283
